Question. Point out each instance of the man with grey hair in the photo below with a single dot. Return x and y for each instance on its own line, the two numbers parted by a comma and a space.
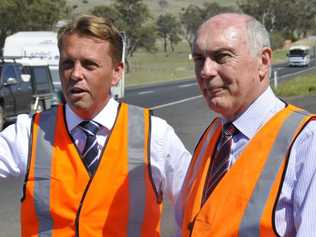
253, 170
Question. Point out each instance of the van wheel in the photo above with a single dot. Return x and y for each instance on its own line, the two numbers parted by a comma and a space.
1, 118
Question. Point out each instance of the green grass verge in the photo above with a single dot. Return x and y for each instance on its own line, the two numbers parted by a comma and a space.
279, 56
148, 68
299, 86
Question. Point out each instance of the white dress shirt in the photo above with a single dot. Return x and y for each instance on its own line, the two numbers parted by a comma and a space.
296, 207
168, 154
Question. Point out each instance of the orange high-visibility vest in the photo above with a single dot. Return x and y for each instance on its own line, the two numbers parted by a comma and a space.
242, 203
61, 199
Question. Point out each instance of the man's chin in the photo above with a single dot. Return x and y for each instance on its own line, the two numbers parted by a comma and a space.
216, 104
80, 106
219, 107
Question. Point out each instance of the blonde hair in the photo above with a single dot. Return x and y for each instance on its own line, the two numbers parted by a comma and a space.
98, 27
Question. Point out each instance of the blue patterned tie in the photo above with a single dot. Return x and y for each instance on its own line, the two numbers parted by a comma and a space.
90, 151
220, 163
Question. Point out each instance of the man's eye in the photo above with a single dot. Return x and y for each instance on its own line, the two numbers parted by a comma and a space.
221, 58
67, 64
198, 58
89, 65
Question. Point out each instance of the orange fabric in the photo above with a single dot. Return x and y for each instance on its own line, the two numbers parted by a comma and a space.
222, 213
199, 167
97, 207
68, 182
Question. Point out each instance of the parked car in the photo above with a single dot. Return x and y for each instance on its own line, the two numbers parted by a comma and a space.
44, 93
24, 89
42, 46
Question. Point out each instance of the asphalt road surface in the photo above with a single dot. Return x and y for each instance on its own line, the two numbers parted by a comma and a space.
189, 120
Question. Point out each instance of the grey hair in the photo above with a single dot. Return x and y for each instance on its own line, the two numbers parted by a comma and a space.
258, 36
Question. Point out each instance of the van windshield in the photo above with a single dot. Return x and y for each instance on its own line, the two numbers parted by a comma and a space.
297, 52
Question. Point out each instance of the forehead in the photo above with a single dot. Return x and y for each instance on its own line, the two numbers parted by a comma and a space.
75, 40
216, 34
78, 46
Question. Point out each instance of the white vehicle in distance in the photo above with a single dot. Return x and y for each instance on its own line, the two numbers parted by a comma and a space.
34, 46
42, 45
299, 55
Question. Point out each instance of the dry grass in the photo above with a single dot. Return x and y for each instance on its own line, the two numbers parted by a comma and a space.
174, 6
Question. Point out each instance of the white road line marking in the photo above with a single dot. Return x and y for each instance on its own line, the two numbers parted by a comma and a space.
145, 92
187, 85
175, 102
297, 73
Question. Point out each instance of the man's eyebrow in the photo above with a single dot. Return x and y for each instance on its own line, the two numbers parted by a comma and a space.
223, 49
211, 52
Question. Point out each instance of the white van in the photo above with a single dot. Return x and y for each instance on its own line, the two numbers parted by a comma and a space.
31, 46
299, 55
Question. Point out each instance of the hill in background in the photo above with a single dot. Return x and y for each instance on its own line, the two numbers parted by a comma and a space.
156, 7
160, 66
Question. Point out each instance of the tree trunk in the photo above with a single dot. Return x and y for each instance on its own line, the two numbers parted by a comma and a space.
165, 43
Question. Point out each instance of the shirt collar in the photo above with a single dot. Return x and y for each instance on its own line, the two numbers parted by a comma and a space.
106, 117
258, 113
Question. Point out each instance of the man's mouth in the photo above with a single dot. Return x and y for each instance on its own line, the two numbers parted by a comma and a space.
214, 91
77, 90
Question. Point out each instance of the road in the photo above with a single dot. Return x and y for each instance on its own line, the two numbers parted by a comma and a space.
283, 72
179, 103
158, 95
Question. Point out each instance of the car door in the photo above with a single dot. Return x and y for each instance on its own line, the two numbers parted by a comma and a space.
19, 93
8, 90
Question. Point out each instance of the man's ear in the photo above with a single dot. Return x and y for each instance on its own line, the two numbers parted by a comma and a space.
118, 70
265, 60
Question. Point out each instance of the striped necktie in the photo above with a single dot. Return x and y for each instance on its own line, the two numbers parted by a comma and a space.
90, 151
220, 162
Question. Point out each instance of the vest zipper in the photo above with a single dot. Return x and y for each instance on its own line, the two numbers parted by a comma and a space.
88, 185
91, 178
191, 226
80, 206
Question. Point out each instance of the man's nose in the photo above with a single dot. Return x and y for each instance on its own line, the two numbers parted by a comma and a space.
77, 71
209, 68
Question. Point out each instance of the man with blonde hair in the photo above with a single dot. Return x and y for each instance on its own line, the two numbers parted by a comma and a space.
93, 166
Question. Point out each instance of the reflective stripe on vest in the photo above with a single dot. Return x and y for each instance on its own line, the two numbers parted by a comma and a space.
45, 138
249, 225
137, 198
142, 202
